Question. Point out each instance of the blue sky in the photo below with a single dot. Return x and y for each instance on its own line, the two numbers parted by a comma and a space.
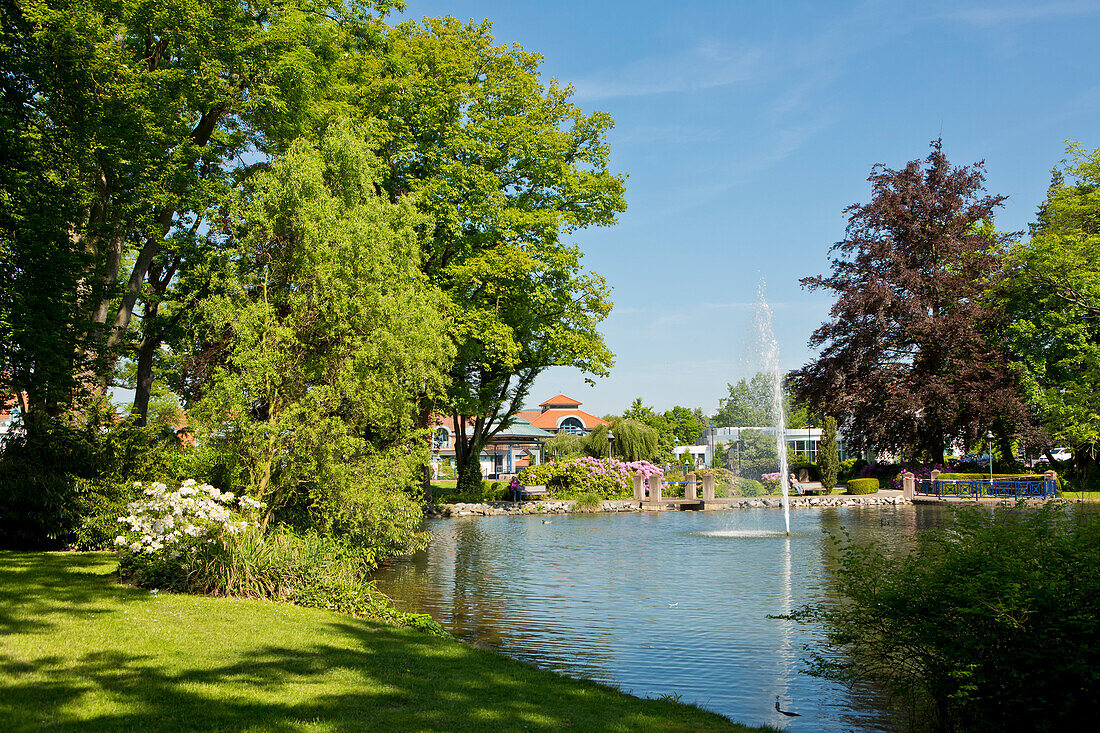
747, 127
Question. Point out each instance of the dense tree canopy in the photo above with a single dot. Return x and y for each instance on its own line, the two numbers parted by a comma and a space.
331, 334
507, 166
907, 361
749, 404
1052, 296
313, 229
130, 120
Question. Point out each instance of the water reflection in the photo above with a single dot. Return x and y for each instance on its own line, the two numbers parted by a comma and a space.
673, 602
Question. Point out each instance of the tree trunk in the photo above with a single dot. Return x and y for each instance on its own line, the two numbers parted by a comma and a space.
467, 450
423, 421
143, 388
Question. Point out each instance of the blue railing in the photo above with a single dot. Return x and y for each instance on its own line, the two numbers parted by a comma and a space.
1000, 488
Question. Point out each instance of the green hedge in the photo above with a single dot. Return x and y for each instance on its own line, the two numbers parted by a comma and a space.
863, 486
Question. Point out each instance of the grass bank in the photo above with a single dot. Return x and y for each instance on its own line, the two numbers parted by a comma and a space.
78, 651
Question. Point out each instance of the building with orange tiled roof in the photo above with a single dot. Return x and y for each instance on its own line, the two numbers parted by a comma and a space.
562, 413
11, 414
513, 448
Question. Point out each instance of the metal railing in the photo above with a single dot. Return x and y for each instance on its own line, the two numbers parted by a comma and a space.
1021, 488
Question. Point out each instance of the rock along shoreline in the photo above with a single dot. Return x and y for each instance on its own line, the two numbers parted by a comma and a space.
565, 506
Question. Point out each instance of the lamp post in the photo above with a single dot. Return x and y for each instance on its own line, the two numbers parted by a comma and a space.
989, 449
737, 452
610, 438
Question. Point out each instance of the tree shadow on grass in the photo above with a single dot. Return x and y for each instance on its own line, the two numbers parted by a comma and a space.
348, 675
367, 678
38, 588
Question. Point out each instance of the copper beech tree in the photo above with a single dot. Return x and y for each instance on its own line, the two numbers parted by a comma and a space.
908, 359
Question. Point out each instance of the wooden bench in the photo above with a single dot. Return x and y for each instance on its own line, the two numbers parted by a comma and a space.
526, 492
808, 487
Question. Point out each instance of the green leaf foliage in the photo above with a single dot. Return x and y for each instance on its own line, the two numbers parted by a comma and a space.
128, 124
507, 167
759, 454
1052, 295
331, 334
828, 455
988, 624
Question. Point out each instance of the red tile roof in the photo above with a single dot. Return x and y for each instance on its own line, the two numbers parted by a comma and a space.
548, 419
560, 401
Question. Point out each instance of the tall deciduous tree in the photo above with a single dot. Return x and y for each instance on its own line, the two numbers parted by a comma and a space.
1052, 295
906, 360
330, 336
749, 403
133, 120
507, 167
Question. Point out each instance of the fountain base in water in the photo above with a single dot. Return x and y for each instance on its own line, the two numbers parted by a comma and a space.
745, 533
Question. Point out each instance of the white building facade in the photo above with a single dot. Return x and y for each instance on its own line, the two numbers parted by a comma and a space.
800, 442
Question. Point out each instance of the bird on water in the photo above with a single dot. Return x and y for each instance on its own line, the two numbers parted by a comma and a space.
784, 712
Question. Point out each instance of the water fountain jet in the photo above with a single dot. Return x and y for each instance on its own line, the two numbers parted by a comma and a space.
769, 355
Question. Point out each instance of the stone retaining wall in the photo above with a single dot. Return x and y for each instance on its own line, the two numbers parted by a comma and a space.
555, 506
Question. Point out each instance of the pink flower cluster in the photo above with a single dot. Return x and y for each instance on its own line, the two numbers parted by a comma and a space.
613, 467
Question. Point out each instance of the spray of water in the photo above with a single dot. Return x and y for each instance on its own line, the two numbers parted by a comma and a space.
769, 355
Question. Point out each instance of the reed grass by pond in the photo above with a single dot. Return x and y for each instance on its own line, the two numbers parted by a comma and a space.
78, 651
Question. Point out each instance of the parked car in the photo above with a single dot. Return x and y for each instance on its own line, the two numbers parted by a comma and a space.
1062, 454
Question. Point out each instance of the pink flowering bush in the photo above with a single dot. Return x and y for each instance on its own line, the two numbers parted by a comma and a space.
608, 478
771, 482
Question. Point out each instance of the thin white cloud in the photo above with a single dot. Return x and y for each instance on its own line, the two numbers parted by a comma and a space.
1001, 14
679, 134
705, 66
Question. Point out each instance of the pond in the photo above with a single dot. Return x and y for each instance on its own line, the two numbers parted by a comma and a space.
662, 603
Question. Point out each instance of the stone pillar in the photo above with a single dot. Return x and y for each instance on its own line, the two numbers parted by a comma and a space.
708, 487
689, 486
656, 483
639, 486
908, 485
1050, 476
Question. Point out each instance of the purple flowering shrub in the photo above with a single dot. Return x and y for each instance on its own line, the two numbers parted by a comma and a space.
771, 482
610, 478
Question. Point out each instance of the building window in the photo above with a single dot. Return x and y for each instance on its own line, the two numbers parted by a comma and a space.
572, 425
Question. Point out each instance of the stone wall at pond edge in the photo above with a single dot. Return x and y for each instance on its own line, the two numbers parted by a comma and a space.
553, 506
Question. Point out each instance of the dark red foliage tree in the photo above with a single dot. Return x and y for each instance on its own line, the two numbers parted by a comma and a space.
908, 360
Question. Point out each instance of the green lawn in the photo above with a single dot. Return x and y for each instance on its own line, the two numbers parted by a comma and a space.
78, 651
1086, 495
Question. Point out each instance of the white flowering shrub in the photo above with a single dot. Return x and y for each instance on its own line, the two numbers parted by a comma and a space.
165, 529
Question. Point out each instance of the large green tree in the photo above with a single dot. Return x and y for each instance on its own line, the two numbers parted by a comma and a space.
687, 425
131, 119
1052, 294
329, 335
507, 167
749, 404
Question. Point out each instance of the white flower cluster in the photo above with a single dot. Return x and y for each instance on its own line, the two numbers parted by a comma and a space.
193, 512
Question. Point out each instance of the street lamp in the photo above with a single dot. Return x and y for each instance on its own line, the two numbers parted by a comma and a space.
989, 445
737, 452
610, 437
